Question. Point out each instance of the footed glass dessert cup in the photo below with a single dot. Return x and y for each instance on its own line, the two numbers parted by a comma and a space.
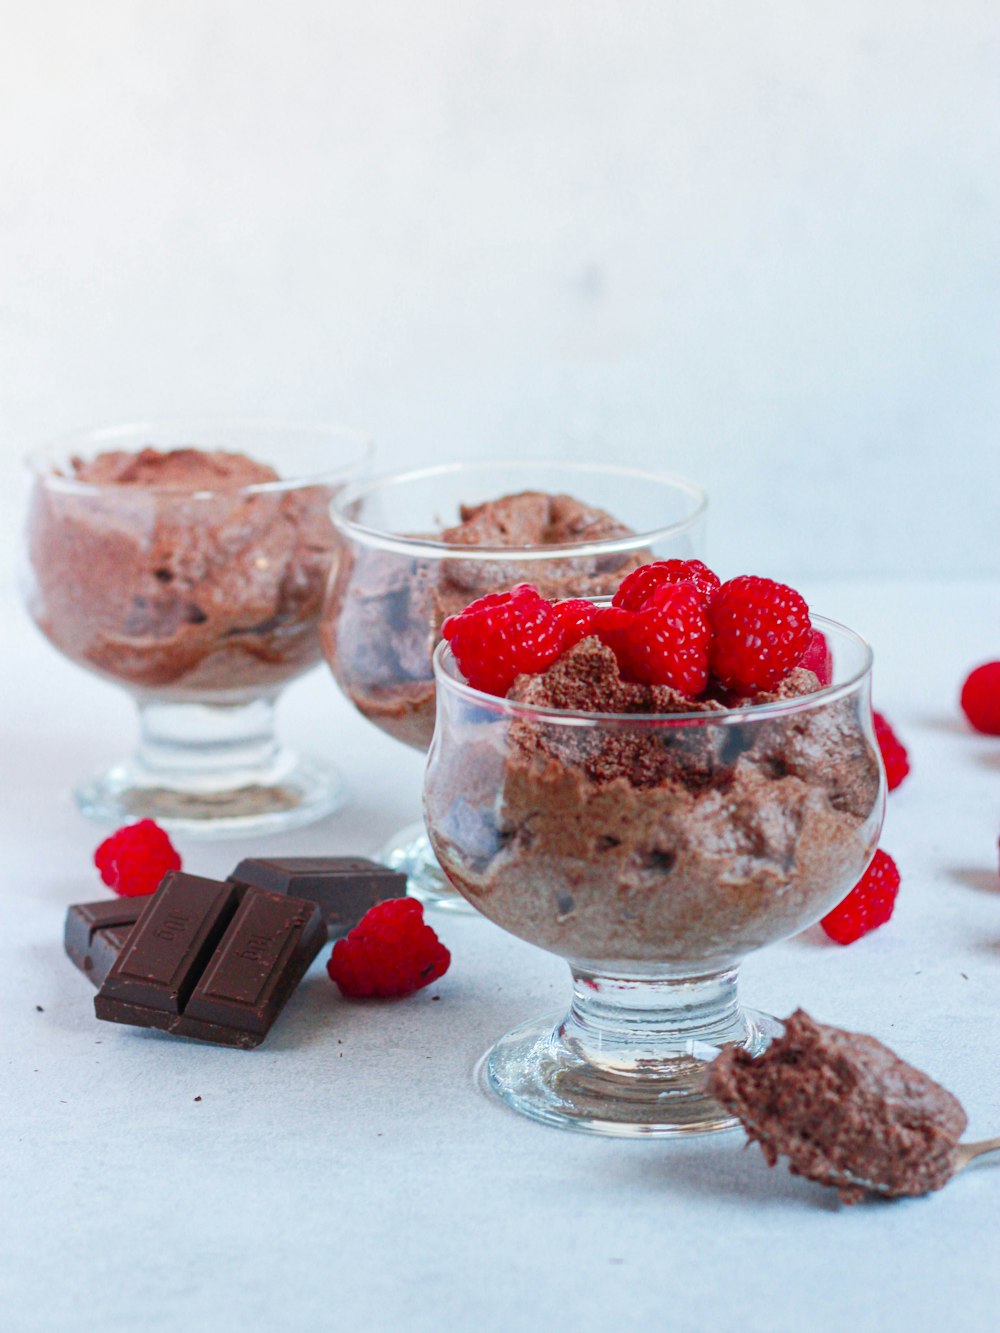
187, 562
420, 546
653, 853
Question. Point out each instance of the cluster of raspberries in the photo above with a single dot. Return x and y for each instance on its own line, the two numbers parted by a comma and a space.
670, 623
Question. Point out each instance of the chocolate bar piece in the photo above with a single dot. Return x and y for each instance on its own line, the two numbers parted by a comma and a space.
343, 886
96, 932
211, 960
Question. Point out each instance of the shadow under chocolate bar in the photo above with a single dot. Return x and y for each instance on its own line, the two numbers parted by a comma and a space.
210, 960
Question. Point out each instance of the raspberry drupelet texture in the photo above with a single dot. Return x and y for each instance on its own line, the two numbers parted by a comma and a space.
760, 631
894, 756
637, 588
577, 619
500, 636
981, 698
666, 643
868, 905
133, 860
390, 952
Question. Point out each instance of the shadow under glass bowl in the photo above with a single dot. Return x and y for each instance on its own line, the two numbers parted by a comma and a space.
196, 585
397, 578
653, 853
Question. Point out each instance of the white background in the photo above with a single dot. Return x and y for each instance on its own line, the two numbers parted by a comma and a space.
755, 243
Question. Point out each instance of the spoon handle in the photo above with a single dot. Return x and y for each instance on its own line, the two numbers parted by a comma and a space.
968, 1152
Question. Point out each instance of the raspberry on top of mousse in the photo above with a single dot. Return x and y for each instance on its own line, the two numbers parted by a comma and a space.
672, 624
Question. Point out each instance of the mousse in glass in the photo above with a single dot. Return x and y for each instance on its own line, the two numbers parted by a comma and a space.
653, 840
187, 562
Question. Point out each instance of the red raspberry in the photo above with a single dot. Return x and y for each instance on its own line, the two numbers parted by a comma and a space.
577, 619
868, 905
894, 756
760, 630
391, 951
981, 698
610, 625
135, 859
666, 643
636, 589
499, 636
818, 659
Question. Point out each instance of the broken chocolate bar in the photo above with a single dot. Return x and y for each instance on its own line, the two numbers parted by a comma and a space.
211, 960
96, 932
343, 886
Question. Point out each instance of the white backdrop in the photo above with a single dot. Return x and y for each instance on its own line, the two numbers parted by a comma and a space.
754, 243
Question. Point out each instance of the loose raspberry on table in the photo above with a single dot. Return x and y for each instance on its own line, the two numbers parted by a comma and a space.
390, 952
868, 905
133, 860
666, 643
818, 659
577, 619
894, 756
500, 636
760, 631
636, 589
981, 698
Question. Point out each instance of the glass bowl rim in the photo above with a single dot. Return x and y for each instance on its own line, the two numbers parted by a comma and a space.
415, 546
446, 676
44, 457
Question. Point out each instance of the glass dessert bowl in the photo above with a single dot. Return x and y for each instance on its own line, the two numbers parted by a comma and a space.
420, 546
652, 851
187, 562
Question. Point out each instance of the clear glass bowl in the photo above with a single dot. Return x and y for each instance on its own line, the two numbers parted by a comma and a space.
653, 853
202, 602
396, 580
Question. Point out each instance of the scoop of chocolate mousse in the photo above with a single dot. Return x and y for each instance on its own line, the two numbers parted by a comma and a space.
168, 570
844, 1109
384, 615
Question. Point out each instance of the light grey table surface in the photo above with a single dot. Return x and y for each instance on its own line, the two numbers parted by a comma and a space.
349, 1174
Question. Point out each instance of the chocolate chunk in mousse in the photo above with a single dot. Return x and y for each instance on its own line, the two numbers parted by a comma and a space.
844, 1109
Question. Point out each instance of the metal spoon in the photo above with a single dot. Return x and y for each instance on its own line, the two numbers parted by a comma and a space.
968, 1152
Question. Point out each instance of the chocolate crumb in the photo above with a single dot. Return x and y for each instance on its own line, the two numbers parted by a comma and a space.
197, 1099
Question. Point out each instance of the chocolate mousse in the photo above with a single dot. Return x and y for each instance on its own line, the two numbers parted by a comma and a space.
384, 614
687, 837
183, 572
844, 1109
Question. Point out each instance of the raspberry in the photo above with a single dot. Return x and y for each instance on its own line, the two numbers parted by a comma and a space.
760, 631
818, 659
981, 698
666, 643
635, 590
868, 905
610, 625
499, 636
135, 858
577, 619
390, 952
894, 756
